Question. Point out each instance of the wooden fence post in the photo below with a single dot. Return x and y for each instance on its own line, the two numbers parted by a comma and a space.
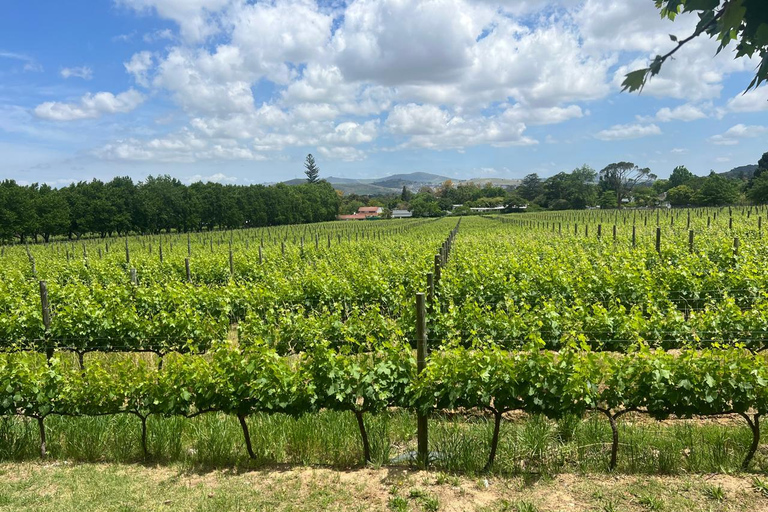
421, 363
46, 318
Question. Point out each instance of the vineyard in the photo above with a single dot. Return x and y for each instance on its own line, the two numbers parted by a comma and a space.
558, 315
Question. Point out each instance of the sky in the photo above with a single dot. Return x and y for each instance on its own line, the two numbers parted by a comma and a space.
239, 92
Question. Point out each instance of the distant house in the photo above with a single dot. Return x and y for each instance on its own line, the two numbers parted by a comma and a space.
364, 212
354, 216
401, 214
370, 211
488, 209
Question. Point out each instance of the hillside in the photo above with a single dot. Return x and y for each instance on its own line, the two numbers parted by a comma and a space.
739, 173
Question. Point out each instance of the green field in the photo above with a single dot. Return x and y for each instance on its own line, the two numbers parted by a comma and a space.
560, 342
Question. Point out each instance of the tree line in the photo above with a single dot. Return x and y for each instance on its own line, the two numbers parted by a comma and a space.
619, 184
157, 204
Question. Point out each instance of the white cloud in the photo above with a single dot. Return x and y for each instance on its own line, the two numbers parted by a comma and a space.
409, 41
439, 74
736, 132
124, 38
350, 133
345, 153
139, 67
756, 100
83, 72
219, 177
30, 64
428, 126
197, 18
272, 36
182, 147
628, 131
90, 106
543, 115
678, 151
158, 35
685, 112
209, 83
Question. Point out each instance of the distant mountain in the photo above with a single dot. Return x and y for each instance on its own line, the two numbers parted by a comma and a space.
740, 173
394, 184
416, 177
339, 181
497, 182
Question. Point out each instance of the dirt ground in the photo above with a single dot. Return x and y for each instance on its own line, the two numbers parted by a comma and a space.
63, 487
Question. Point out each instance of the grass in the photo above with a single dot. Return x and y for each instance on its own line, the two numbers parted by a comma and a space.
528, 444
91, 487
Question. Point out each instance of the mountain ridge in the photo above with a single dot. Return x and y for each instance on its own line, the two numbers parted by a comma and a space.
394, 183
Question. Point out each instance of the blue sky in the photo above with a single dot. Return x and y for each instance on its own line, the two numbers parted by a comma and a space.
240, 92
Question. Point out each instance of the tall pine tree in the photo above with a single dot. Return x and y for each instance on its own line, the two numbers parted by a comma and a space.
312, 170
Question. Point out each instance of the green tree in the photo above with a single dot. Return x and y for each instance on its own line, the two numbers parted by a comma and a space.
762, 168
425, 205
758, 192
744, 22
406, 194
120, 193
608, 200
680, 176
763, 162
52, 212
531, 187
581, 190
680, 195
717, 191
311, 169
622, 177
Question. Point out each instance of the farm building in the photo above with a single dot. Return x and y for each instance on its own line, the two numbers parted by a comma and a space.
364, 212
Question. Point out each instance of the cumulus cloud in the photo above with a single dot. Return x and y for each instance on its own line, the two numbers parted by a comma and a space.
628, 131
685, 112
139, 67
431, 127
196, 18
409, 41
756, 100
344, 153
90, 106
182, 147
83, 72
740, 131
158, 35
439, 74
